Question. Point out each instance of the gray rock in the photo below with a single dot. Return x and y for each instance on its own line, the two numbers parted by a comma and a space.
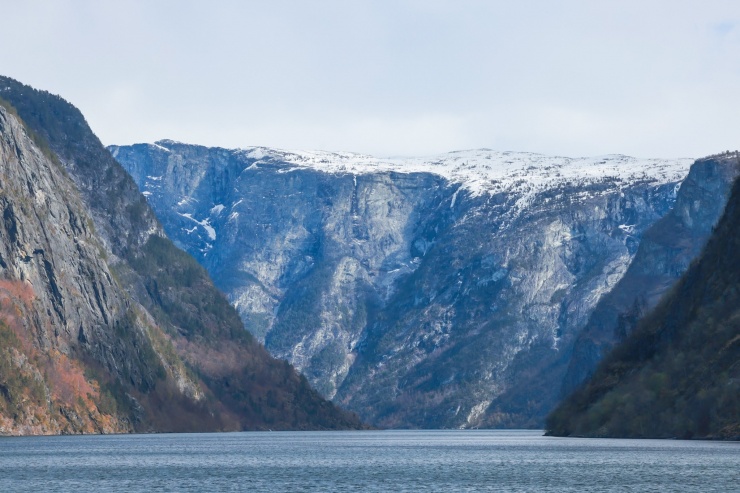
447, 298
667, 249
105, 326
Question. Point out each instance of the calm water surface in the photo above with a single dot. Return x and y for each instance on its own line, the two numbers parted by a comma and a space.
364, 461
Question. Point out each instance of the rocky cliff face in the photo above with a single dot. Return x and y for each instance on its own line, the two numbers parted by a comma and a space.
57, 294
665, 253
104, 325
678, 373
438, 292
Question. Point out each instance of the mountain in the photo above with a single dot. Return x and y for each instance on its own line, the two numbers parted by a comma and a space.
105, 326
678, 373
434, 292
665, 253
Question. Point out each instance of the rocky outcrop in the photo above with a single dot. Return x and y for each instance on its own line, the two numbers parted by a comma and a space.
436, 292
665, 253
678, 373
106, 326
57, 294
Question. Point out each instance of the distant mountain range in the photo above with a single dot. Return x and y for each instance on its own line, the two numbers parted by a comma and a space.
105, 326
458, 290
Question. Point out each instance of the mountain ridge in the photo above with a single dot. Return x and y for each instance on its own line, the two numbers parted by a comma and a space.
407, 297
665, 253
678, 373
171, 354
478, 170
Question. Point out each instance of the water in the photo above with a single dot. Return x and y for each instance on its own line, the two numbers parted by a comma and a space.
364, 461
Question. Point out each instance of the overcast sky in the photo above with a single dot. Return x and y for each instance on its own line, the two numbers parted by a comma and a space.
577, 78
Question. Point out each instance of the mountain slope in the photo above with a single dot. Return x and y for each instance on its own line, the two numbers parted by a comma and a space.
665, 252
132, 318
49, 254
678, 373
416, 292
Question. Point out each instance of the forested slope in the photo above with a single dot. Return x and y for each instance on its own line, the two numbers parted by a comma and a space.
678, 373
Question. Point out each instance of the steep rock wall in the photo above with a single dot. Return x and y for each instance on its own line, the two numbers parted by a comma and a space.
677, 374
667, 249
447, 298
104, 324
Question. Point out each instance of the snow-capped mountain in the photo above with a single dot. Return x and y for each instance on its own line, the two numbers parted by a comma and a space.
427, 292
481, 170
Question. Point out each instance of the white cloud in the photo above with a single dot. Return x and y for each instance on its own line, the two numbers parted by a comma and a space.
656, 78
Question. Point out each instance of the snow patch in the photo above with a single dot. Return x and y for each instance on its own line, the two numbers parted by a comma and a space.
185, 201
454, 198
257, 153
161, 148
205, 224
485, 171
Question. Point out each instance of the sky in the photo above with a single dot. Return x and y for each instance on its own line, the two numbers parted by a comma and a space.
648, 78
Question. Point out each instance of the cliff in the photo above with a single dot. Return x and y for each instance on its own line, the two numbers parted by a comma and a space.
106, 326
667, 249
678, 373
444, 291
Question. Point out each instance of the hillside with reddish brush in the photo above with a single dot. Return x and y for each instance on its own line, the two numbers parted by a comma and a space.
105, 326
